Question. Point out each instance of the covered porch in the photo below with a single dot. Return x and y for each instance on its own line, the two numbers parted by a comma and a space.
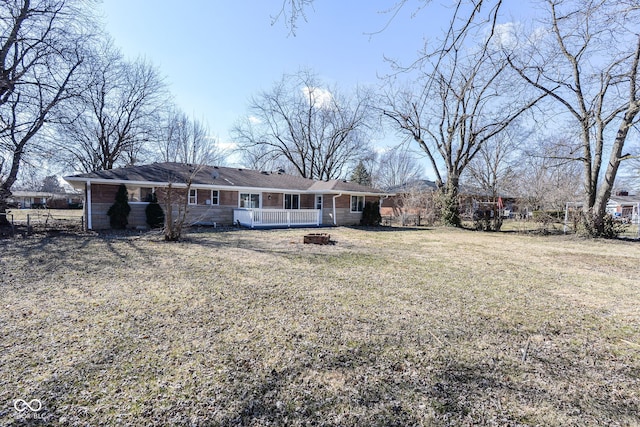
277, 217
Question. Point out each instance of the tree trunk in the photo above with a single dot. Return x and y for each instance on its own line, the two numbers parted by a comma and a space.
168, 207
174, 224
5, 188
4, 195
599, 209
449, 203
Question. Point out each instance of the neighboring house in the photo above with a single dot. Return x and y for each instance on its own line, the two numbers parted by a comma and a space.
478, 203
41, 199
624, 206
415, 201
411, 202
225, 196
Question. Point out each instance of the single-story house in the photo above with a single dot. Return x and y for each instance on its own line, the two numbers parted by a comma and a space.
624, 206
25, 199
224, 196
407, 198
476, 203
416, 200
411, 202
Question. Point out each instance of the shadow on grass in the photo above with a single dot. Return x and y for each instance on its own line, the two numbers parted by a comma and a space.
385, 228
43, 255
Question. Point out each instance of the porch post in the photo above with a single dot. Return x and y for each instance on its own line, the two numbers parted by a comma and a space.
637, 217
87, 206
335, 220
334, 210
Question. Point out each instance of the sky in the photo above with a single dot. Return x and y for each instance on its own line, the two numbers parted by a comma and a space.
216, 54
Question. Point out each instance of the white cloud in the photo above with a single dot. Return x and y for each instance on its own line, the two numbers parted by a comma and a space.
380, 149
254, 120
227, 145
513, 36
318, 96
505, 35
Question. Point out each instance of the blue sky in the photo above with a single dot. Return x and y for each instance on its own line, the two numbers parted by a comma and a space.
216, 54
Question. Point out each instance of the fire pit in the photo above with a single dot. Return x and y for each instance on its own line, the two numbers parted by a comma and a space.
317, 238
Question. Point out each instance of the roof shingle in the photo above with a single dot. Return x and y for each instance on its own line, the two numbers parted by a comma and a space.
222, 177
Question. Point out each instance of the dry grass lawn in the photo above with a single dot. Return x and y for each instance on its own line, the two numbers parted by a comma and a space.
383, 328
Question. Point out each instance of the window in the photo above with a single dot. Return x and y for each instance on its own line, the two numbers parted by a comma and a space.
357, 203
146, 194
319, 202
215, 197
249, 201
292, 201
193, 196
139, 194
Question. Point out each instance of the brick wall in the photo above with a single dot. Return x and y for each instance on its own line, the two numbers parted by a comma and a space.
343, 210
307, 201
103, 196
103, 193
229, 198
276, 202
203, 214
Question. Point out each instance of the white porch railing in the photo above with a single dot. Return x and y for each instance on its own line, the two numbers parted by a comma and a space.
276, 217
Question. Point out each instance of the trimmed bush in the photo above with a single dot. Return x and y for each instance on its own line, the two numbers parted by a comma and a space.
119, 211
154, 212
371, 214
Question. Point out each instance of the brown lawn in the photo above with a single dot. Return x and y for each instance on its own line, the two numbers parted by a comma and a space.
388, 328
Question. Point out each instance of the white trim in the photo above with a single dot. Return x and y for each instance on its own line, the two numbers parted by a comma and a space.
217, 197
250, 194
276, 217
195, 198
335, 220
88, 205
364, 201
221, 187
284, 196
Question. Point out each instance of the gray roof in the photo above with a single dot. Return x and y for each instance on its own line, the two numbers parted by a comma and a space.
625, 200
29, 193
219, 176
418, 184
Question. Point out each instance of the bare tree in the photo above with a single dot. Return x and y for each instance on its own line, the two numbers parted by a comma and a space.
465, 12
291, 11
186, 140
317, 132
175, 198
397, 166
494, 169
586, 59
547, 178
117, 115
416, 201
465, 98
261, 158
41, 50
